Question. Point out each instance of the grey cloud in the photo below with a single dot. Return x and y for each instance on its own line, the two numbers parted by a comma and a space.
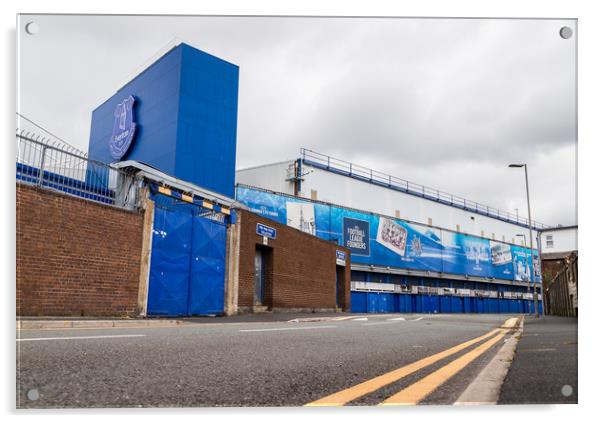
444, 102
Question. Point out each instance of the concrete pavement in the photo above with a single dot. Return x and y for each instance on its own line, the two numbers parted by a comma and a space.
43, 323
254, 363
544, 369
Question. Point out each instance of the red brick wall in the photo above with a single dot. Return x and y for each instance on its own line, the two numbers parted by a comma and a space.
74, 256
301, 272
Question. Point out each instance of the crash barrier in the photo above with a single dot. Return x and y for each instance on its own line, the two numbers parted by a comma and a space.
561, 293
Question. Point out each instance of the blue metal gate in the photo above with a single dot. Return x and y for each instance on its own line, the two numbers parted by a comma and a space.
187, 265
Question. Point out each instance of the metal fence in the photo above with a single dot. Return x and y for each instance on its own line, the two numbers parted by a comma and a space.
52, 165
389, 181
561, 293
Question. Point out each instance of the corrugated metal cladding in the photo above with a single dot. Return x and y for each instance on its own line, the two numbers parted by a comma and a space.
378, 302
186, 116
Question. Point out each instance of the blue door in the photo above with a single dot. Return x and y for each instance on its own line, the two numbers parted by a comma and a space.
170, 263
207, 267
372, 302
187, 264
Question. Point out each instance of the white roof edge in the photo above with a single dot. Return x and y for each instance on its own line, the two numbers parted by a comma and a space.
156, 175
559, 228
265, 165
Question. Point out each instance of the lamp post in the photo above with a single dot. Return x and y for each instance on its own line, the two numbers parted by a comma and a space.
530, 287
531, 278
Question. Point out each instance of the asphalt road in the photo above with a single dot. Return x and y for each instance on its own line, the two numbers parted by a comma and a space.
544, 369
243, 364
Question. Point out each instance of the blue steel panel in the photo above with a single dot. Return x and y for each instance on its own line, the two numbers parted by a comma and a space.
372, 303
185, 115
358, 302
418, 304
386, 303
429, 304
207, 267
403, 304
456, 304
504, 305
479, 305
156, 91
495, 305
170, 262
407, 301
445, 304
207, 119
468, 305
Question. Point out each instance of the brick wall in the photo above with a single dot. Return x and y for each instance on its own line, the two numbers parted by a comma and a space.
301, 269
74, 256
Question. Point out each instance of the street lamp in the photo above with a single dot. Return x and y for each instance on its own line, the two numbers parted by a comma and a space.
531, 278
525, 243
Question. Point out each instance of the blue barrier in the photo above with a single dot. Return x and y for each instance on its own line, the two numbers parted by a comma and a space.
358, 302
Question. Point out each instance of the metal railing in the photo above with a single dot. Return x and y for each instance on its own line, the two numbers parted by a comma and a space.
52, 165
561, 292
383, 179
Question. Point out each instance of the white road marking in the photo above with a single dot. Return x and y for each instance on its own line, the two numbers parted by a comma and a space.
297, 328
397, 318
361, 319
415, 320
378, 323
77, 337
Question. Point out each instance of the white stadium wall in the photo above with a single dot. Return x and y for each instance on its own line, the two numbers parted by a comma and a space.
272, 176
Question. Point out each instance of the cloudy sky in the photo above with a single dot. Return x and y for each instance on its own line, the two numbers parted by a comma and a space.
446, 103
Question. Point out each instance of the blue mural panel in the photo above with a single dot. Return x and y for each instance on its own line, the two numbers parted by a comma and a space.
386, 241
501, 260
466, 255
356, 236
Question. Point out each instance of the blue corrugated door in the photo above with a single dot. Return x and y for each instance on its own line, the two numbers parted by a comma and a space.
187, 264
358, 302
372, 302
207, 267
170, 263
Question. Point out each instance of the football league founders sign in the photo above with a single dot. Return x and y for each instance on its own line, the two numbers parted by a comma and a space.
356, 236
123, 128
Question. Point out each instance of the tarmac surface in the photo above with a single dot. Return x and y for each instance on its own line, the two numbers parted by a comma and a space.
544, 369
244, 362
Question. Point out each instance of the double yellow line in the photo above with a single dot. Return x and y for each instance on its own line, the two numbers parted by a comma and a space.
419, 390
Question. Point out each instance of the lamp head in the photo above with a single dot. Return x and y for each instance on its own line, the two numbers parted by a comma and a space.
515, 165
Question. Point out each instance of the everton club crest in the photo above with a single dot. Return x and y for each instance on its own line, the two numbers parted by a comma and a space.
123, 128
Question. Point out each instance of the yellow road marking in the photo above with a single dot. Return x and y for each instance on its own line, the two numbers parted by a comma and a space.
349, 394
510, 323
419, 390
